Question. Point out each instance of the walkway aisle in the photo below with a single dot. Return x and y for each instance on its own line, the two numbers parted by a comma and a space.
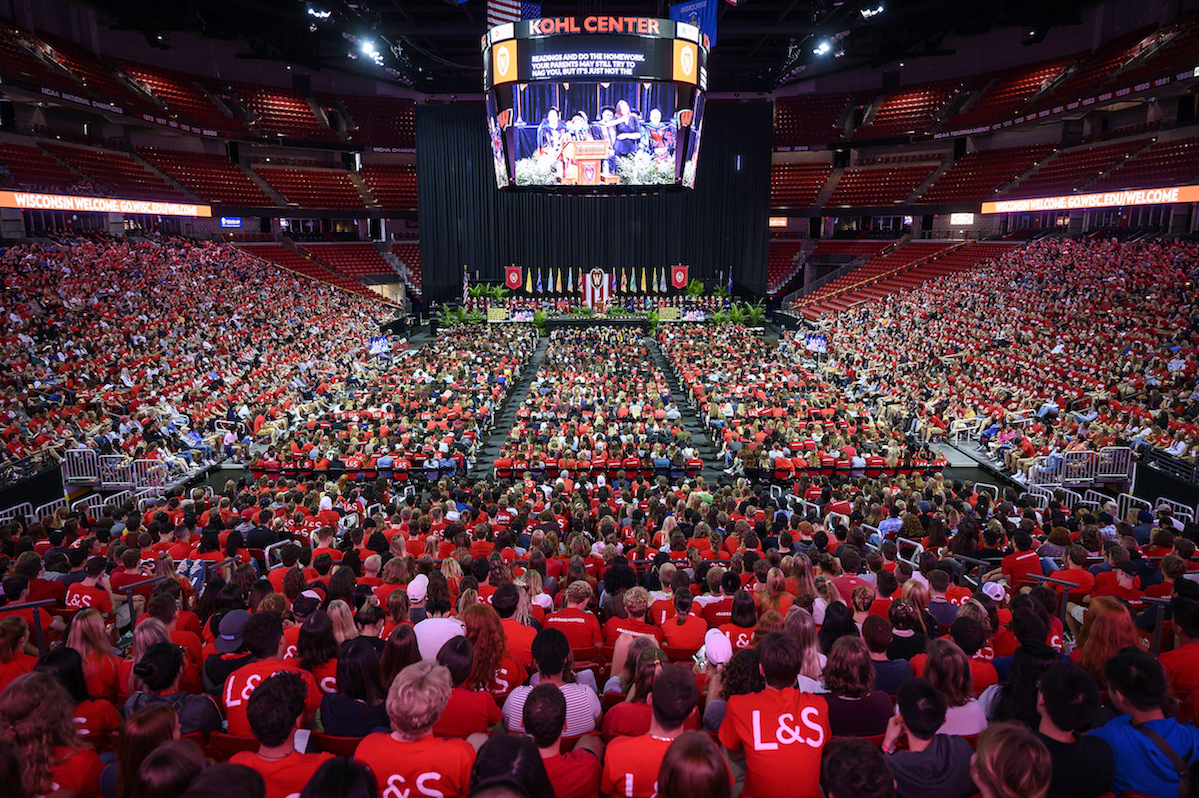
704, 445
491, 448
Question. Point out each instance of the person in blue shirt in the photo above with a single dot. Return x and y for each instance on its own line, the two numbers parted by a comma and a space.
1137, 688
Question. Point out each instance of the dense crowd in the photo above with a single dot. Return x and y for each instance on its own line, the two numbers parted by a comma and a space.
1098, 340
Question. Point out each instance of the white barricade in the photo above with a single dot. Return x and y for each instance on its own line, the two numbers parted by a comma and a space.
1038, 496
1126, 501
989, 488
1081, 469
116, 471
80, 467
149, 474
49, 508
1115, 464
23, 510
1047, 470
1181, 511
1095, 499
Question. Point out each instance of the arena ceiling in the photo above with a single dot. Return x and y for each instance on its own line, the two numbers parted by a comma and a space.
433, 45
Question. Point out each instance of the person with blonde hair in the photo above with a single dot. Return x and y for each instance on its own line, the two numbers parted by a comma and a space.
800, 624
37, 720
149, 632
344, 627
102, 669
1011, 762
410, 756
14, 636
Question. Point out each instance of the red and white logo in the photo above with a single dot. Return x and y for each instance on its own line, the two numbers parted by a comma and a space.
512, 277
678, 276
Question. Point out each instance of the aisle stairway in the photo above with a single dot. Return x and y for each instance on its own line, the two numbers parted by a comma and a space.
704, 445
485, 457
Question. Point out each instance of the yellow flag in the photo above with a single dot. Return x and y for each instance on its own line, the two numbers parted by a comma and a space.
559, 289
643, 280
528, 281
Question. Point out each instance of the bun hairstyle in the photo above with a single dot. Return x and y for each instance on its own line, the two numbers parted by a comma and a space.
159, 666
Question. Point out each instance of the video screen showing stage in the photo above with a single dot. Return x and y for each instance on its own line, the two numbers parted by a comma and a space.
593, 134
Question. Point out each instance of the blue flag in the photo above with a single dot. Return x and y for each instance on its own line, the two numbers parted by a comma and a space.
700, 13
539, 283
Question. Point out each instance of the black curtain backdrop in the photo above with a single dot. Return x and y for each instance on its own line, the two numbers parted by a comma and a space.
466, 220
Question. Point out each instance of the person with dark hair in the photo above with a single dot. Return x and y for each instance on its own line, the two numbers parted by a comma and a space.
96, 719
694, 766
159, 670
505, 601
468, 711
169, 769
357, 708
227, 780
889, 674
410, 758
1182, 662
575, 774
1137, 688
742, 619
855, 707
341, 778
263, 638
632, 763
400, 651
1016, 699
855, 769
316, 651
437, 627
934, 765
510, 764
1067, 701
684, 631
838, 623
276, 711
552, 655
783, 731
141, 733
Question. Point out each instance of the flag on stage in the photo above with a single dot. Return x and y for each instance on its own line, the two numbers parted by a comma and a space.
678, 276
512, 277
596, 288
624, 281
540, 284
558, 288
643, 279
662, 281
529, 281
570, 281
465, 285
613, 282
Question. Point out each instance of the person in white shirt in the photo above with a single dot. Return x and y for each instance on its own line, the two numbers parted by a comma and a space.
436, 629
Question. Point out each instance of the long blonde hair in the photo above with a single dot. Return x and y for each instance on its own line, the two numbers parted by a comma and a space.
87, 635
344, 627
149, 632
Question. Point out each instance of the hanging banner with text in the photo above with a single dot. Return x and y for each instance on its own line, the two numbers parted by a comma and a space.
63, 202
1105, 199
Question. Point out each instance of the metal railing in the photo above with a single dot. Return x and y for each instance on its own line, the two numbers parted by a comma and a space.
80, 467
39, 633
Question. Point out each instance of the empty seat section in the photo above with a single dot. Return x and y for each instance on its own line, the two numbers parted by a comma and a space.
1073, 169
185, 101
1164, 163
808, 119
296, 262
279, 112
394, 185
1009, 91
313, 188
797, 184
909, 110
408, 253
781, 263
976, 176
1176, 54
125, 176
17, 62
878, 186
93, 74
213, 177
839, 294
353, 259
380, 121
1095, 70
32, 169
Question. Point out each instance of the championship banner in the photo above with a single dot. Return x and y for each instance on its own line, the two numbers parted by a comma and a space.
678, 276
512, 278
596, 289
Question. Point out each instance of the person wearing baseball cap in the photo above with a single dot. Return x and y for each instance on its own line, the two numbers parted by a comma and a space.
232, 653
1125, 588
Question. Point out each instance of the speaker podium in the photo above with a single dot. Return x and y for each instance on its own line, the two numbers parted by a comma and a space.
582, 162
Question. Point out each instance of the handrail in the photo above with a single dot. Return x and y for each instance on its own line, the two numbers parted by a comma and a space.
37, 619
128, 589
208, 564
1065, 585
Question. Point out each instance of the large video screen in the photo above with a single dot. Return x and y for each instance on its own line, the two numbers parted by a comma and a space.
596, 134
594, 103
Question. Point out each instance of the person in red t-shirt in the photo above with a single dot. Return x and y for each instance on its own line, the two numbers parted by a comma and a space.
575, 774
684, 631
263, 636
468, 711
581, 628
632, 763
410, 760
94, 591
1021, 564
782, 730
518, 636
1182, 662
14, 662
275, 712
636, 604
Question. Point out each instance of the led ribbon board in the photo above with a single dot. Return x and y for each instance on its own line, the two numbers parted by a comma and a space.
1105, 199
63, 202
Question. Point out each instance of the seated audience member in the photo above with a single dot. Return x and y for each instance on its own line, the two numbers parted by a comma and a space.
102, 670
636, 604
341, 778
684, 631
552, 656
580, 626
410, 755
575, 774
738, 676
159, 670
230, 651
855, 769
263, 635
631, 764
14, 636
276, 711
468, 711
855, 707
227, 781
36, 720
693, 766
506, 601
889, 674
633, 716
437, 627
1016, 699
782, 731
141, 733
934, 765
509, 764
1182, 662
1151, 751
357, 708
168, 770
948, 670
1010, 761
1067, 700
95, 719
906, 640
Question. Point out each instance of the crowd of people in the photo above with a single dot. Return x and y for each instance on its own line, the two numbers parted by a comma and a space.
136, 348
1097, 340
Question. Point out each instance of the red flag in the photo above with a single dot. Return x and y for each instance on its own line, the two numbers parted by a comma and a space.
512, 277
678, 276
596, 289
